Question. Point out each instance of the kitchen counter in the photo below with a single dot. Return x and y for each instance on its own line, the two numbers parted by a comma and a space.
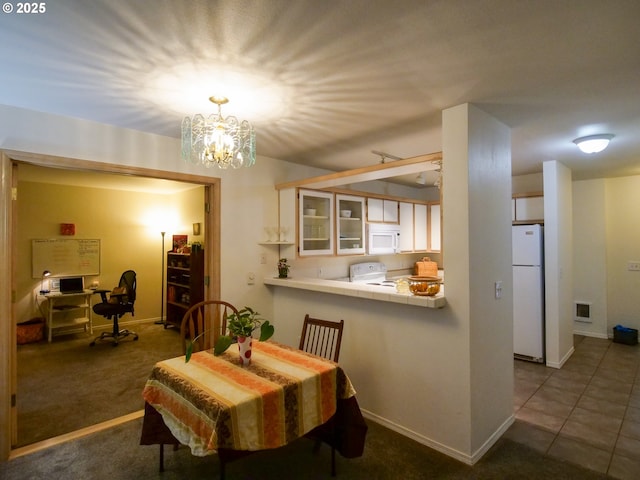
373, 292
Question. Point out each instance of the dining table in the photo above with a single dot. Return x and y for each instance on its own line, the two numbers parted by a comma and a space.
215, 405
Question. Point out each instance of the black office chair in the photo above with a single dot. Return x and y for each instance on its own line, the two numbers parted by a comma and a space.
119, 302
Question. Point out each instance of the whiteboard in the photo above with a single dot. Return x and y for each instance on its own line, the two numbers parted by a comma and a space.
66, 257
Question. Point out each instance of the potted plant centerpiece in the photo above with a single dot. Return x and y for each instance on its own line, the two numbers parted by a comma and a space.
241, 327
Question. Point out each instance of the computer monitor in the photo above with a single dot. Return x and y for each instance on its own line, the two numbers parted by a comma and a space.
72, 285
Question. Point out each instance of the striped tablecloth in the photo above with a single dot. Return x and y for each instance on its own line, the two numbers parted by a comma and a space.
213, 402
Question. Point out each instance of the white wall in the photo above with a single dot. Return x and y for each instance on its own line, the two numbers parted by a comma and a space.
558, 238
476, 235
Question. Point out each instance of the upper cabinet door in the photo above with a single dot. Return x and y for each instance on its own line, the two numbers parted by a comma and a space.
350, 211
375, 212
434, 227
420, 236
390, 208
529, 209
315, 227
406, 227
379, 210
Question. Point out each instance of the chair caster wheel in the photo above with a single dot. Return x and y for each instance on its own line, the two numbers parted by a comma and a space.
135, 339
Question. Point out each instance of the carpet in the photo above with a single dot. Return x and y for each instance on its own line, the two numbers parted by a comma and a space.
66, 384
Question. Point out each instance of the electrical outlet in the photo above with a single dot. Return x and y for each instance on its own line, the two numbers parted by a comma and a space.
498, 289
633, 266
251, 278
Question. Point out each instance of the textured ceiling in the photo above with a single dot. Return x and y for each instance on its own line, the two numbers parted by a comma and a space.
326, 82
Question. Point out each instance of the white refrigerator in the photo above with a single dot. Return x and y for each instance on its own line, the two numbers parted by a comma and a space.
528, 292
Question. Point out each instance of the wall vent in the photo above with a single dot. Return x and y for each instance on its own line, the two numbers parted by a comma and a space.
582, 312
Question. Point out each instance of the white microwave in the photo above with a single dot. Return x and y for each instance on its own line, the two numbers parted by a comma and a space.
383, 238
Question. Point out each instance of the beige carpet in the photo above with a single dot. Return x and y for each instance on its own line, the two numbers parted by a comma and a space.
66, 385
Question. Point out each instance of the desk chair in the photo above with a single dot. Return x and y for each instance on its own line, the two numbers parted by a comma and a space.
200, 316
116, 305
323, 338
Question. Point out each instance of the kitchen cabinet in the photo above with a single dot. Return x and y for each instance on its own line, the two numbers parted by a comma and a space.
529, 209
406, 226
381, 210
350, 212
185, 284
435, 227
315, 231
420, 227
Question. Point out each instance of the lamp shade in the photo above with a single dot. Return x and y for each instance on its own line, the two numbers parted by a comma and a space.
593, 143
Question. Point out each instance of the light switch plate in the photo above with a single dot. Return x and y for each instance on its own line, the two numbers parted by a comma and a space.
633, 266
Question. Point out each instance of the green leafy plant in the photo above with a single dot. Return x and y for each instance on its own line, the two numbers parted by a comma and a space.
242, 324
283, 268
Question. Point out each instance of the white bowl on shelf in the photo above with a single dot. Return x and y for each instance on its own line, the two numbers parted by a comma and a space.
345, 213
310, 211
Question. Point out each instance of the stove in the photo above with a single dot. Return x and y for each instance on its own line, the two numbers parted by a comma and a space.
370, 273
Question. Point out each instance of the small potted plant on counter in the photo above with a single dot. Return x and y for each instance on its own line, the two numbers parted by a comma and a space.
283, 268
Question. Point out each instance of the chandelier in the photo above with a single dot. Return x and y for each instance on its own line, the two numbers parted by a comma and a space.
218, 141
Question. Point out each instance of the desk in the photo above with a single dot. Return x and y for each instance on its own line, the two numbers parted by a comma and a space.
212, 403
68, 310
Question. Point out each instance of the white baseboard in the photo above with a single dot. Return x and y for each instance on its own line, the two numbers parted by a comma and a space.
591, 334
450, 452
562, 360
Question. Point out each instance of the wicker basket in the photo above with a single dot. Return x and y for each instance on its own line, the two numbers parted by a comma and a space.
426, 268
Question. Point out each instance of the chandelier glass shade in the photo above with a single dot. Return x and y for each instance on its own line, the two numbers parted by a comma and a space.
218, 141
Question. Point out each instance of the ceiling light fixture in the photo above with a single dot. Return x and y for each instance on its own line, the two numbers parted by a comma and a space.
421, 179
218, 141
385, 155
593, 143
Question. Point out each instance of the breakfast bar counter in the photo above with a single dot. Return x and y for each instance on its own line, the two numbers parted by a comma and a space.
372, 292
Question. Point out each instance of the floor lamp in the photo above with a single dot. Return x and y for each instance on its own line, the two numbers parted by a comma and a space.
161, 321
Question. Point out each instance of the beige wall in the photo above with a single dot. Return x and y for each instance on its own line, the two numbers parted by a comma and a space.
622, 202
125, 222
590, 254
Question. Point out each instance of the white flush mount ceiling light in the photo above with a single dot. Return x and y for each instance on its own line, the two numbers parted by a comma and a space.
593, 143
218, 141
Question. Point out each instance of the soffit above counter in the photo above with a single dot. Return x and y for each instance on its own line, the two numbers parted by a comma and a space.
406, 166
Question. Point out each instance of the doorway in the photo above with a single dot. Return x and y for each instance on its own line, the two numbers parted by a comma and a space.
11, 164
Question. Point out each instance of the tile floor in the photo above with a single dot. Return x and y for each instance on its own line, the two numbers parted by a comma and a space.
587, 412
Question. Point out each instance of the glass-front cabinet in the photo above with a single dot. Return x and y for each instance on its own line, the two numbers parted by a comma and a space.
350, 214
316, 223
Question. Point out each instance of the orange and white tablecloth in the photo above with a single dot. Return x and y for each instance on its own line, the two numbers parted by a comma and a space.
213, 402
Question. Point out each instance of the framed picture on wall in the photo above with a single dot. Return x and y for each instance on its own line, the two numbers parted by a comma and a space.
179, 242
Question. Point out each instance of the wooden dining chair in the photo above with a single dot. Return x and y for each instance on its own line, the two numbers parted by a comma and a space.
321, 337
208, 314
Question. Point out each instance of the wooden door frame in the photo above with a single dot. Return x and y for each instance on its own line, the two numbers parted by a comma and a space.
9, 162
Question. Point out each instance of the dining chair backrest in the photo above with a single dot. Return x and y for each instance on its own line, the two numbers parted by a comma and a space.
204, 315
321, 337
